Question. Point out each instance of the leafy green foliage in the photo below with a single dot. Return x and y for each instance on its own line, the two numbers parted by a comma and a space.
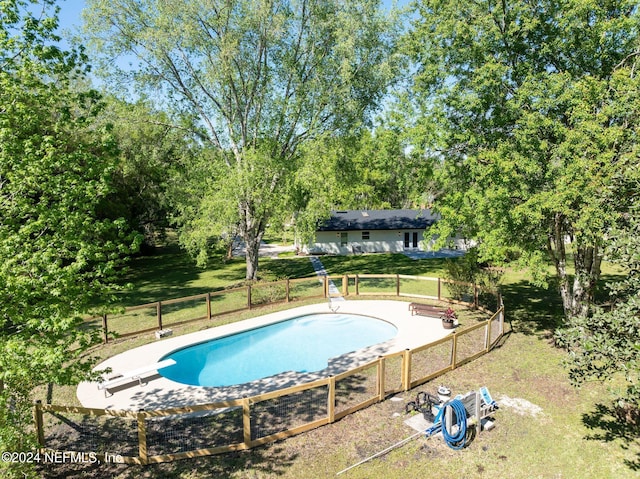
258, 79
468, 269
608, 342
530, 109
58, 257
150, 149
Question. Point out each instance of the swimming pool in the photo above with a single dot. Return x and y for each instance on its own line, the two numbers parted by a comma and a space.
302, 344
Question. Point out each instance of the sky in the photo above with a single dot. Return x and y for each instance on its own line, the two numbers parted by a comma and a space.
70, 12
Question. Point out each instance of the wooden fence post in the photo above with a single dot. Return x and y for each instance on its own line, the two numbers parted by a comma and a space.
209, 305
357, 285
39, 422
159, 314
104, 328
381, 378
397, 284
345, 285
246, 422
439, 290
331, 406
475, 296
142, 437
454, 350
487, 336
288, 290
249, 296
406, 369
325, 286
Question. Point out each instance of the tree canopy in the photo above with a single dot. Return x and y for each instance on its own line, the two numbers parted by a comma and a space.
529, 109
58, 256
608, 343
259, 78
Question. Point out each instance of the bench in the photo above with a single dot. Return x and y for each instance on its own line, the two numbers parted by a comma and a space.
135, 375
425, 309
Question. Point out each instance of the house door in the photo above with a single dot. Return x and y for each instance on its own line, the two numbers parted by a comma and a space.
410, 240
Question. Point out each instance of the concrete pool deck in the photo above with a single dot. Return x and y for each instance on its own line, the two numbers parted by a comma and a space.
157, 392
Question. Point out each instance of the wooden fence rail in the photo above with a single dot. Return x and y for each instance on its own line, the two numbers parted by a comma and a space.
127, 323
275, 415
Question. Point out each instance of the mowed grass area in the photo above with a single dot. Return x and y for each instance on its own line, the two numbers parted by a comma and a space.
555, 430
170, 273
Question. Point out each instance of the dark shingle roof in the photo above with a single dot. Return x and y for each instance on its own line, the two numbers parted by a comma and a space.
378, 220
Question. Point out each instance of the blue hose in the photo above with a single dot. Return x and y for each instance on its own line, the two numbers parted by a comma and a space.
457, 441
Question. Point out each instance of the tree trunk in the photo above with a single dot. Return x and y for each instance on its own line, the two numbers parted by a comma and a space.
587, 263
577, 296
252, 231
252, 248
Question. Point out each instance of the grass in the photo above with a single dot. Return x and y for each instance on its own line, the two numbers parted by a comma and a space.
577, 434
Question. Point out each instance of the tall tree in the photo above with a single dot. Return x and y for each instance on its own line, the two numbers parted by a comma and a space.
607, 344
58, 257
262, 77
149, 147
386, 174
531, 106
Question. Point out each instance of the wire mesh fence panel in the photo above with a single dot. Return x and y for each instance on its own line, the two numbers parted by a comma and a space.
283, 413
470, 343
195, 308
309, 288
132, 321
265, 293
190, 432
419, 287
496, 328
356, 388
429, 361
66, 431
393, 373
488, 300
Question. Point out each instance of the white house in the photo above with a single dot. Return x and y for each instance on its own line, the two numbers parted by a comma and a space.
371, 231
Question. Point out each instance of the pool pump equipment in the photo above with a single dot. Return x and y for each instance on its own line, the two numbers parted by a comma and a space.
454, 418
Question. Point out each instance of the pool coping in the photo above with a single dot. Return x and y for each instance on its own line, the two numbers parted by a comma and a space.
158, 392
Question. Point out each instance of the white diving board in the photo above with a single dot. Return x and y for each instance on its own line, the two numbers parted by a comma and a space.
134, 375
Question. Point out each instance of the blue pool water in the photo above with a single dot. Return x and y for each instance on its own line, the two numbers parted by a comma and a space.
302, 344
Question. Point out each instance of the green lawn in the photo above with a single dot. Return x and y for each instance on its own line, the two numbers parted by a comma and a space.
575, 434
170, 273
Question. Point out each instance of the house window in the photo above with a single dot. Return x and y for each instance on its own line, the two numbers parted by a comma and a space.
365, 235
344, 239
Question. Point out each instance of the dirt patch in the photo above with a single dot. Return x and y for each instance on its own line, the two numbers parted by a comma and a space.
520, 406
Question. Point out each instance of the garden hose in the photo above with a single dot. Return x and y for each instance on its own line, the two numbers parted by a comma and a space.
457, 440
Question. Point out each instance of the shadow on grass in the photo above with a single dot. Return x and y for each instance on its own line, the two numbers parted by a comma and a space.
611, 423
162, 275
382, 263
278, 269
268, 461
170, 435
530, 309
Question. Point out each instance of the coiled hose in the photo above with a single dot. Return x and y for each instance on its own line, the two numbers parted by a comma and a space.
457, 440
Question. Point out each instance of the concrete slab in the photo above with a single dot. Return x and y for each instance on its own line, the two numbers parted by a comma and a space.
418, 422
158, 392
443, 253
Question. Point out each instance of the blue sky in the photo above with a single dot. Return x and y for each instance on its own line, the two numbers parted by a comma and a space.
70, 11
